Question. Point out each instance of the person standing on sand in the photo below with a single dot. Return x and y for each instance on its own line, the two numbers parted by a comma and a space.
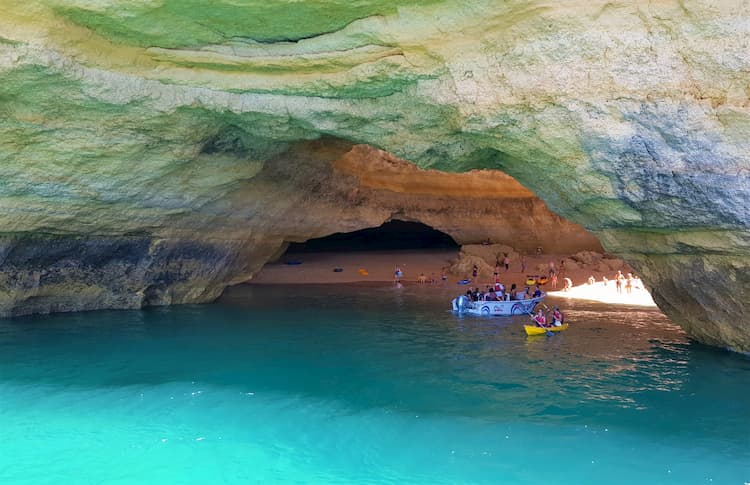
523, 264
629, 284
474, 271
618, 281
553, 279
551, 268
497, 270
506, 262
568, 284
397, 275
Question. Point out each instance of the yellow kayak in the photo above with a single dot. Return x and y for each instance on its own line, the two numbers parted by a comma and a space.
534, 330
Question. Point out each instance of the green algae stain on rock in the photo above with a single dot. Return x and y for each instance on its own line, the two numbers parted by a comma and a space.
188, 23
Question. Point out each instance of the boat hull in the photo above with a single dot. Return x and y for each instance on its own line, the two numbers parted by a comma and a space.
534, 330
496, 308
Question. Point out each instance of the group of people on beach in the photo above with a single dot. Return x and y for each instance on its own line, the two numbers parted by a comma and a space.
621, 281
398, 276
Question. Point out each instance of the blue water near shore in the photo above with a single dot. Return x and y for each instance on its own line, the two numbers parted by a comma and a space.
365, 385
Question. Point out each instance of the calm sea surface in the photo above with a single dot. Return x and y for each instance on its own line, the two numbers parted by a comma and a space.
366, 385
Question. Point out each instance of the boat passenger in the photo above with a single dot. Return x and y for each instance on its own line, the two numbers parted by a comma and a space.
537, 292
513, 291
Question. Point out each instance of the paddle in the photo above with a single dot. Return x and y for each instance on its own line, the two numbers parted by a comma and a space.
546, 330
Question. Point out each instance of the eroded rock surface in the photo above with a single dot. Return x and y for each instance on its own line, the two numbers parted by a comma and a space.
311, 190
148, 119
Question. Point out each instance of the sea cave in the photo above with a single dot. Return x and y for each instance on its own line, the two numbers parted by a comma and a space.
210, 201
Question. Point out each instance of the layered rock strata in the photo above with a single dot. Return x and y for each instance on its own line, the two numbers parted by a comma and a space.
630, 118
311, 190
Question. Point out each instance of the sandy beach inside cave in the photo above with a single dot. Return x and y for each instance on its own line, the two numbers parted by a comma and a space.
317, 268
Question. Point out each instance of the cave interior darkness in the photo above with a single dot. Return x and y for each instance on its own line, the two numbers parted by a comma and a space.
392, 235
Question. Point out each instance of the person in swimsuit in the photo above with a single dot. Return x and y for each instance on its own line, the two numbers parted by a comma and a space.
540, 319
557, 317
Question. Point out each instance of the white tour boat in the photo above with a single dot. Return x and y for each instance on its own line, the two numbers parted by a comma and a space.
490, 308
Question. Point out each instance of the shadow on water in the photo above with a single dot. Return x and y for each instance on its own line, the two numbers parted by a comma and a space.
381, 347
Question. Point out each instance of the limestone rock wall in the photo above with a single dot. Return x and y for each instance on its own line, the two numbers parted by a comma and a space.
146, 119
311, 190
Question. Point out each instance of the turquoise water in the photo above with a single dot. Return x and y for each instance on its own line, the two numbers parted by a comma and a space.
365, 385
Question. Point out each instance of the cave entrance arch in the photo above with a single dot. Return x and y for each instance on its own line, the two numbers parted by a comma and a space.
392, 235
370, 254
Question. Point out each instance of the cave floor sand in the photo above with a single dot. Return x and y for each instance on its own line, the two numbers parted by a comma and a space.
317, 268
607, 294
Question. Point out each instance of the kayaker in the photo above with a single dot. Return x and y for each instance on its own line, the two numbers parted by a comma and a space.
557, 317
540, 319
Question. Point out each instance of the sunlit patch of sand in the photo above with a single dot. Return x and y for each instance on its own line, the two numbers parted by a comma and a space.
607, 294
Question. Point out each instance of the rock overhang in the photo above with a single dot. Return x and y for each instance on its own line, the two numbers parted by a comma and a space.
629, 118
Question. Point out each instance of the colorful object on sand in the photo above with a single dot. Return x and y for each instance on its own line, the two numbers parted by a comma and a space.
294, 262
534, 330
463, 282
530, 280
338, 270
363, 272
542, 281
